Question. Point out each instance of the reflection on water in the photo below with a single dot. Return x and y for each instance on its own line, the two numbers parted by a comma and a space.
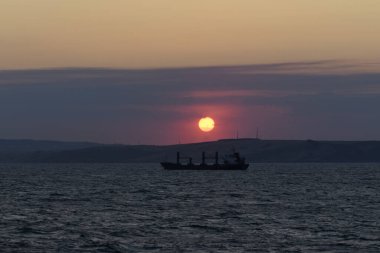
134, 208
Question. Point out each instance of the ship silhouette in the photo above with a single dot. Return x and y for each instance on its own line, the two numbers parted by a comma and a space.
230, 162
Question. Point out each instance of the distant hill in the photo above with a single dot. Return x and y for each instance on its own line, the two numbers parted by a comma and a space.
22, 146
254, 150
24, 150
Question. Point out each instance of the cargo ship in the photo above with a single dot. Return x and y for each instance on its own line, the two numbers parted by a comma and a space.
230, 162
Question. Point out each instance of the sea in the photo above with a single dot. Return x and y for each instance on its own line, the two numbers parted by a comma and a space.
143, 208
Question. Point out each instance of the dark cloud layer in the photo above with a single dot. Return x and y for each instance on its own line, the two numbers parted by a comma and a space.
319, 100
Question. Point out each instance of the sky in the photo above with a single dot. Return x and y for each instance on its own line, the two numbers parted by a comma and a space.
307, 100
144, 72
172, 33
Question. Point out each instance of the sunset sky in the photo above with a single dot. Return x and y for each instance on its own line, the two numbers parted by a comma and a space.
123, 71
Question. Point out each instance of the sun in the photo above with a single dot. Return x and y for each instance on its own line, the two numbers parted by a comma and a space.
206, 124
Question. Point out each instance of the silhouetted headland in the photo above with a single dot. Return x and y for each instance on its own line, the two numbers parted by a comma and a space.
255, 150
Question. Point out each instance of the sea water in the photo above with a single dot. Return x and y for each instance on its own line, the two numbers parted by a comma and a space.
142, 208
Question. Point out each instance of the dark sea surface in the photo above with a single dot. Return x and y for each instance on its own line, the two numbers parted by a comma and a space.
142, 208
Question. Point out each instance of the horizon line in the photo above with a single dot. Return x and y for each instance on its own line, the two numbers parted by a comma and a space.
188, 143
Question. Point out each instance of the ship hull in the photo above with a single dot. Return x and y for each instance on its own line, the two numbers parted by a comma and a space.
175, 166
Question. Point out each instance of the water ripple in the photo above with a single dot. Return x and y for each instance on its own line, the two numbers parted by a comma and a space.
135, 208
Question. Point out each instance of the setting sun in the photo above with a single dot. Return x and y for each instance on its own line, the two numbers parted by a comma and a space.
206, 124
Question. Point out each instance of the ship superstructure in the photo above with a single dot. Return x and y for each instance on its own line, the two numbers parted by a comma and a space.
230, 162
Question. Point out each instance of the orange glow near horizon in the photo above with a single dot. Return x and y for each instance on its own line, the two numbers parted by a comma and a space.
206, 124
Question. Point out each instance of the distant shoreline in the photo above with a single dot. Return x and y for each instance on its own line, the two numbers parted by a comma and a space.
255, 150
